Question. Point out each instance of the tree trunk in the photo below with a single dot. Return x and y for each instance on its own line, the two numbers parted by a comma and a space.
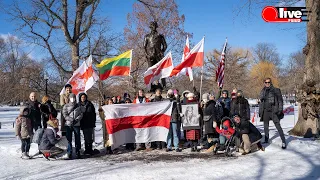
308, 94
75, 56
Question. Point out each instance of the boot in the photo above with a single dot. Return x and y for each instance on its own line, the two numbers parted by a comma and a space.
284, 145
24, 156
78, 155
69, 156
266, 140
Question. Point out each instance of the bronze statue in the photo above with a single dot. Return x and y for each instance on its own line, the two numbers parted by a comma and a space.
155, 45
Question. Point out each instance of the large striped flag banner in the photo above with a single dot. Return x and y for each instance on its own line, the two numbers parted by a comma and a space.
116, 66
83, 78
193, 59
220, 70
186, 71
158, 71
137, 123
289, 110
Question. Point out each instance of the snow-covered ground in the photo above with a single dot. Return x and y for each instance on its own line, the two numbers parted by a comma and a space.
301, 160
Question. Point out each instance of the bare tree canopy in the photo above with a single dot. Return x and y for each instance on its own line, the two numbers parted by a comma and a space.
266, 52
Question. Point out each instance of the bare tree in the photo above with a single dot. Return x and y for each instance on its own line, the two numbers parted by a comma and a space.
43, 21
266, 52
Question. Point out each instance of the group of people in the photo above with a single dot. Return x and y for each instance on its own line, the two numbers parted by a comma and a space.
39, 120
219, 118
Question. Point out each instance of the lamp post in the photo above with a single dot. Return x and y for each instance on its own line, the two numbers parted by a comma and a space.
46, 78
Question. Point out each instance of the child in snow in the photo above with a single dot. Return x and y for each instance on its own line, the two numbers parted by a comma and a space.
50, 139
225, 132
24, 131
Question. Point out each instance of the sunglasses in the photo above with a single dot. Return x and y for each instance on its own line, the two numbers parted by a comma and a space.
267, 82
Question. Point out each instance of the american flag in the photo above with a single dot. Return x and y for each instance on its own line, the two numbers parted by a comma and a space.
220, 70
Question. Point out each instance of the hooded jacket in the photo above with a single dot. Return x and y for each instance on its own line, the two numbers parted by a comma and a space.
89, 113
23, 127
49, 137
72, 113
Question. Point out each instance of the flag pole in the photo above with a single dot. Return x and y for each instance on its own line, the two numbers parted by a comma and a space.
201, 76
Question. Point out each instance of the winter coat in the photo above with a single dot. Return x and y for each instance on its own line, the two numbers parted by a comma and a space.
176, 109
246, 127
72, 114
64, 99
143, 100
241, 107
89, 114
226, 103
226, 129
157, 99
209, 116
35, 114
49, 138
23, 127
270, 101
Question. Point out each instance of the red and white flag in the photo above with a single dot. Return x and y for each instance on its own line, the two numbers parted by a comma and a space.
158, 71
289, 110
186, 71
193, 59
83, 78
137, 123
220, 70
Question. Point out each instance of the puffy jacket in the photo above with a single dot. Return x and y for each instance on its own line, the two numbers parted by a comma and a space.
23, 127
89, 113
209, 111
48, 139
72, 114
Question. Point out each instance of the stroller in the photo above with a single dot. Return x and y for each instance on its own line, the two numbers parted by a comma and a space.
227, 131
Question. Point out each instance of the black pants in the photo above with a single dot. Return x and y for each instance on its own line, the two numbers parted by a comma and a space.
25, 145
267, 116
88, 139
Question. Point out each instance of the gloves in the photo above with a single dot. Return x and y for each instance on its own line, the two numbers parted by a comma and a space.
198, 116
181, 115
279, 112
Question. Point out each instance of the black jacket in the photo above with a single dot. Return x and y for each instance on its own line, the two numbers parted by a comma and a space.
47, 109
176, 109
241, 107
89, 113
270, 101
35, 114
246, 127
209, 112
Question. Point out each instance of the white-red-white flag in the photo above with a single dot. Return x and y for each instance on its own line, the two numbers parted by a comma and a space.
83, 78
186, 71
193, 59
220, 70
158, 71
289, 110
137, 123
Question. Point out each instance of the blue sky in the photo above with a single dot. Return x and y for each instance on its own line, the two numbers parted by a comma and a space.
214, 19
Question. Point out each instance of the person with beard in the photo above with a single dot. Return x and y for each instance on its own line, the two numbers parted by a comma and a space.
158, 144
240, 105
271, 108
35, 114
47, 110
209, 118
175, 117
226, 103
88, 122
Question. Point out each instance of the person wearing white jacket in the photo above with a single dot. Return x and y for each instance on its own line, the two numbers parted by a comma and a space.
73, 115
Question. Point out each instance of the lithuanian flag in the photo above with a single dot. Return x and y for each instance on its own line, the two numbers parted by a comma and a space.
116, 66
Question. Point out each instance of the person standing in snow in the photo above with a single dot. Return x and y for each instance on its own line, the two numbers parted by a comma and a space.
240, 105
35, 114
24, 130
158, 144
226, 103
73, 115
88, 122
271, 108
64, 99
47, 110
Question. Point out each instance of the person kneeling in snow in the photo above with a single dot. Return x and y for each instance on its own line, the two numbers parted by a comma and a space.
50, 139
248, 133
24, 131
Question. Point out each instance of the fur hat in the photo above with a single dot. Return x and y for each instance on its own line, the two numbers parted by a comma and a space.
53, 123
190, 95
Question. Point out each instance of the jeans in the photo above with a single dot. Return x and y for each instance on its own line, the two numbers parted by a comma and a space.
76, 131
88, 139
222, 139
25, 145
268, 116
173, 132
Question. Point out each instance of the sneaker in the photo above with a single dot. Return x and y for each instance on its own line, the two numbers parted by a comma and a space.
245, 153
69, 156
193, 149
168, 149
178, 150
284, 146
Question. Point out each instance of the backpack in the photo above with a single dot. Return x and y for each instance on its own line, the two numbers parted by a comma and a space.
38, 136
